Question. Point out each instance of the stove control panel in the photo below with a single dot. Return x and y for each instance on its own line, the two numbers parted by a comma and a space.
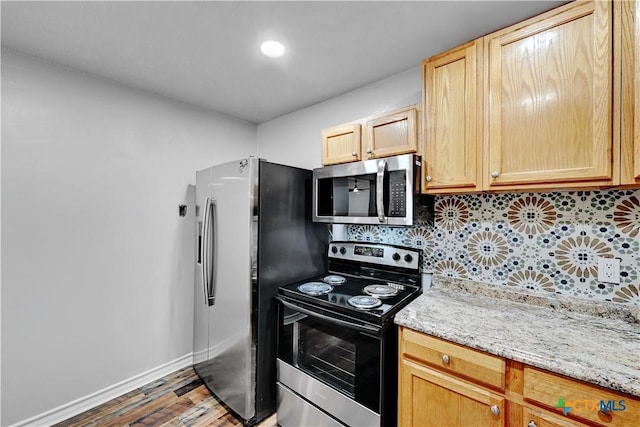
373, 253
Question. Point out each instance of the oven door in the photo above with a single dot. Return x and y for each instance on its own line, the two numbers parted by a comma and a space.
331, 360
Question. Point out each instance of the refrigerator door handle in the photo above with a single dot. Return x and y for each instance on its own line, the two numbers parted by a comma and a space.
208, 243
382, 166
204, 249
213, 256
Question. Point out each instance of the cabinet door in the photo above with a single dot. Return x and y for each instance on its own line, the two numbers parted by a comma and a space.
549, 100
341, 144
538, 418
431, 398
452, 136
393, 133
629, 40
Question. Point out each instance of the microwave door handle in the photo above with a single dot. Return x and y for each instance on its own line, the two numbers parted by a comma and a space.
382, 166
204, 250
357, 326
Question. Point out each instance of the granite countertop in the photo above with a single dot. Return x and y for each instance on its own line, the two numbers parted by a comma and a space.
590, 341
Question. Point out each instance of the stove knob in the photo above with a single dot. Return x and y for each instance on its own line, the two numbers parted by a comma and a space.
408, 258
396, 256
343, 250
334, 249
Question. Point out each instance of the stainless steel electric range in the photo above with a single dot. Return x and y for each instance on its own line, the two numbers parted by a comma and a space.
337, 343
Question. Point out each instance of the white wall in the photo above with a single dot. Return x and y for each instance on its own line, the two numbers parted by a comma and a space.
97, 266
294, 139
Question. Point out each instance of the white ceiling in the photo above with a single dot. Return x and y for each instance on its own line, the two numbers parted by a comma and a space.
207, 53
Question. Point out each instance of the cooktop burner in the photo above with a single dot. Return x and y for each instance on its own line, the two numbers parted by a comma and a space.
315, 288
364, 302
380, 291
334, 279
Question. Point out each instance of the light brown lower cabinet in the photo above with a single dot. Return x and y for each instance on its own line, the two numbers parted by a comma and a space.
446, 384
432, 398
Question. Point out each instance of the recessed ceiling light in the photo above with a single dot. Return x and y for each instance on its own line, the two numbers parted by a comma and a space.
272, 48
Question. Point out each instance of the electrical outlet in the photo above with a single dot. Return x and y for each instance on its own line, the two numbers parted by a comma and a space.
609, 270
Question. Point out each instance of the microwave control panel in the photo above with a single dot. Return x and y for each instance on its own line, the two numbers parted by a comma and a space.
397, 194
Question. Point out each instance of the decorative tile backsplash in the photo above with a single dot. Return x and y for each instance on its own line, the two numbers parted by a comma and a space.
542, 242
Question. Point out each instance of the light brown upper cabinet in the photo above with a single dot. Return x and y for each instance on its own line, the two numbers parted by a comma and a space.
388, 134
549, 100
341, 144
549, 92
552, 102
392, 133
452, 109
627, 46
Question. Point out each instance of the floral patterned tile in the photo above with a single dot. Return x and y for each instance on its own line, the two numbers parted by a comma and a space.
544, 242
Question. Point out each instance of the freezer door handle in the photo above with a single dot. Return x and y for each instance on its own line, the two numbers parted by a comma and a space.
209, 229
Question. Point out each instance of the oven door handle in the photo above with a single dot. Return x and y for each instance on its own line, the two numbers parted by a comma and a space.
357, 326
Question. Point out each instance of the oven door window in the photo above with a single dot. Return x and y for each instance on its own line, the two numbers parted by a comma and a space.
346, 359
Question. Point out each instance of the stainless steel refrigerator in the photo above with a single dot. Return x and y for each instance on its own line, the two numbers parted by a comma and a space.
254, 234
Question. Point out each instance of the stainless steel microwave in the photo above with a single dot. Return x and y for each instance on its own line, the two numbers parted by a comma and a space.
379, 191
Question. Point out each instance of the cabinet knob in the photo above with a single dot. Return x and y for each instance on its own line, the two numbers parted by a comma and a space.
354, 154
445, 359
495, 174
428, 178
495, 410
605, 415
532, 424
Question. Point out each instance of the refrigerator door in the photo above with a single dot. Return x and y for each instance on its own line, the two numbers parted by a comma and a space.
255, 234
228, 253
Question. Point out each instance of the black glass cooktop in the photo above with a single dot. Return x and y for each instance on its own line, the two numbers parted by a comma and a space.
338, 295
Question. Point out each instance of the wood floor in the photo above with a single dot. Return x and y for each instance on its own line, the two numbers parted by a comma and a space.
179, 399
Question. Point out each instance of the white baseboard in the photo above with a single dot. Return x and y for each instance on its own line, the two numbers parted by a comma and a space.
85, 403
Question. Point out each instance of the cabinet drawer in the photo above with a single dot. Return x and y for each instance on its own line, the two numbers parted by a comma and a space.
541, 418
579, 400
475, 365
